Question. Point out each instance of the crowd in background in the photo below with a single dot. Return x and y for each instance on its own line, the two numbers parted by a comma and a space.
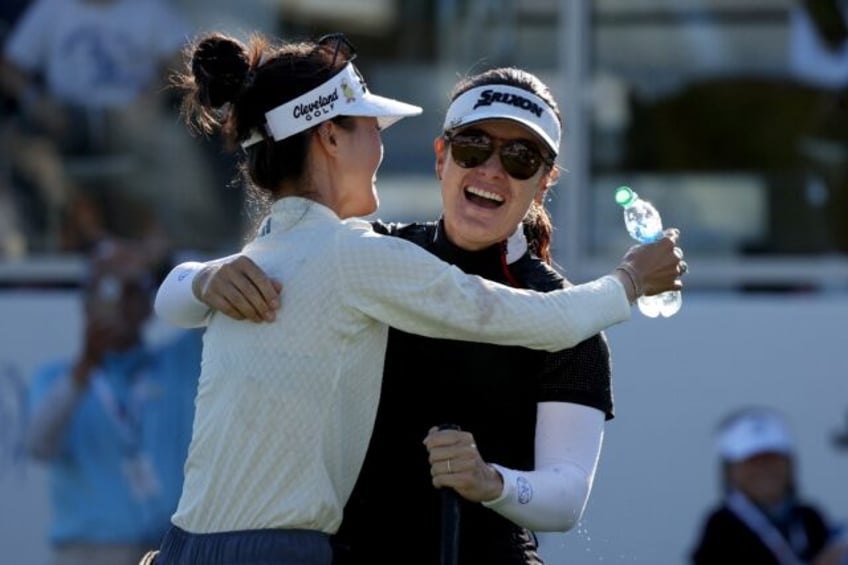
92, 144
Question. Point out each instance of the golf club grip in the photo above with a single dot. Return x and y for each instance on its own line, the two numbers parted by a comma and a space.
450, 519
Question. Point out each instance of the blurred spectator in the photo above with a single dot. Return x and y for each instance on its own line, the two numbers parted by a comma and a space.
36, 191
818, 36
818, 50
14, 236
840, 437
113, 424
12, 240
92, 75
762, 520
74, 62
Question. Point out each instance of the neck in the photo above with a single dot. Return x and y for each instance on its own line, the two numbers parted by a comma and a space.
321, 182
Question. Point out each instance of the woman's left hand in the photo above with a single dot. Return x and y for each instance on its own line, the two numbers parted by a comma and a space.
456, 463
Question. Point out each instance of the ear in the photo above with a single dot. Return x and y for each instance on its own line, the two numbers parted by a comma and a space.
439, 147
548, 181
326, 135
552, 177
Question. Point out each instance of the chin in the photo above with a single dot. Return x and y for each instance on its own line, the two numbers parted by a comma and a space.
367, 210
483, 229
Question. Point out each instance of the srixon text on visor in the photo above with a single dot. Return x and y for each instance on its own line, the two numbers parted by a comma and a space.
316, 108
488, 97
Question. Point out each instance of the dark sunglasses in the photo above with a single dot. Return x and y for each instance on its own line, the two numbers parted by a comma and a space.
340, 45
520, 158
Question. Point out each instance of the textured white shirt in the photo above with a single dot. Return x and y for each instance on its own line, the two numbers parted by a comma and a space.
285, 410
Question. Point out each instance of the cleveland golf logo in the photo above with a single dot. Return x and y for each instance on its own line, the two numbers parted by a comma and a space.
489, 97
318, 107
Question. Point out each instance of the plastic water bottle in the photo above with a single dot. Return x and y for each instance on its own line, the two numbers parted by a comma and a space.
643, 223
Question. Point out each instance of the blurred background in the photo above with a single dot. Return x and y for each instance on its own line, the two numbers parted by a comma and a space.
730, 115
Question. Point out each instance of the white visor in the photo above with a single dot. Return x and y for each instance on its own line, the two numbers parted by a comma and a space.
502, 102
344, 94
754, 433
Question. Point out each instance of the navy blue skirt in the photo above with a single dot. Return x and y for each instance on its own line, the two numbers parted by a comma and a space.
246, 547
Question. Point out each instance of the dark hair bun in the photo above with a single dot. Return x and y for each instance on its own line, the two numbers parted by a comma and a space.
219, 65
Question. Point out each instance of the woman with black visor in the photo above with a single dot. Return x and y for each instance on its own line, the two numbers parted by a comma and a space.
532, 422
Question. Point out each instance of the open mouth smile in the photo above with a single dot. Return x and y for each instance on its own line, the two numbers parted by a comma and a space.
483, 198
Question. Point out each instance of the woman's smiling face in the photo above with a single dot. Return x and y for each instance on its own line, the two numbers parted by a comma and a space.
483, 205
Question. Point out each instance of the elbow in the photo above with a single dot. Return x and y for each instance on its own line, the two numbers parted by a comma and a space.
174, 314
573, 498
569, 518
566, 517
559, 520
164, 310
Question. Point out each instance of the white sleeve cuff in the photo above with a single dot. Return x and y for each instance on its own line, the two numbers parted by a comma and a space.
510, 483
551, 500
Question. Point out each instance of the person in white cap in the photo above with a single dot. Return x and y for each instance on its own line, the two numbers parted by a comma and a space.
285, 410
761, 519
495, 161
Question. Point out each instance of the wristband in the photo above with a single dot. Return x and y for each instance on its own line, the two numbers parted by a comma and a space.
631, 274
516, 489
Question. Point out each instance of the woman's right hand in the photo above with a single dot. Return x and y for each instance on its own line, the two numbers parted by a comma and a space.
239, 289
657, 266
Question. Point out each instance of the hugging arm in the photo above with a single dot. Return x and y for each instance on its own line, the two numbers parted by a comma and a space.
234, 285
239, 289
406, 287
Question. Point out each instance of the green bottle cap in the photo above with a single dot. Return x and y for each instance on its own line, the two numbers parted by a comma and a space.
624, 195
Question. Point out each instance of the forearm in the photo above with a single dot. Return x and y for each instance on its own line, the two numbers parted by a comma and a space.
50, 420
553, 496
409, 289
545, 500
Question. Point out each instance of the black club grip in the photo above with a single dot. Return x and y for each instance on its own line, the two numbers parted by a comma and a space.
450, 519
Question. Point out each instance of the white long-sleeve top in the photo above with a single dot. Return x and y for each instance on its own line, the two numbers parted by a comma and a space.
568, 439
285, 410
